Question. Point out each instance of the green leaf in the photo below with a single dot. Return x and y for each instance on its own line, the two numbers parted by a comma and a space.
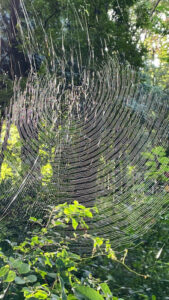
57, 223
74, 223
35, 240
33, 219
26, 292
74, 256
16, 263
40, 295
23, 268
98, 242
52, 275
88, 213
71, 297
31, 278
4, 270
10, 277
105, 289
47, 261
159, 151
55, 297
19, 280
88, 293
163, 160
64, 297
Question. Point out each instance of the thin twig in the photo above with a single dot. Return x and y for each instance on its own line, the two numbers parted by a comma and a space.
155, 6
6, 291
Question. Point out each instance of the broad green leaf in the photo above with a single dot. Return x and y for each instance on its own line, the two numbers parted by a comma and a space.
88, 293
52, 275
16, 263
105, 289
4, 270
31, 278
19, 280
23, 268
25, 289
10, 277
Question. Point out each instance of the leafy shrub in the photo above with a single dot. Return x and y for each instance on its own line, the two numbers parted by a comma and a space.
43, 265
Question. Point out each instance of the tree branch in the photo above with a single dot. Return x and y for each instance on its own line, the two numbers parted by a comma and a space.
155, 6
52, 15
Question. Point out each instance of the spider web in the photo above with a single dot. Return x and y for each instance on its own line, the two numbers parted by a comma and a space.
80, 133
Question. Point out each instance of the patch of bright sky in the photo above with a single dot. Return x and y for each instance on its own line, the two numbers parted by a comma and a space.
156, 61
112, 15
163, 16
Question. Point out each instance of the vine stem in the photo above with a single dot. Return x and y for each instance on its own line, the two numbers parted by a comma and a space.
122, 263
50, 217
6, 291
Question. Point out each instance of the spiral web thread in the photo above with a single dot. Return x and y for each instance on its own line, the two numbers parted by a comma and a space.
83, 139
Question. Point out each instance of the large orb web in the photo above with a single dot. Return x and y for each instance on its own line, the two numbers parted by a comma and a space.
87, 143
97, 137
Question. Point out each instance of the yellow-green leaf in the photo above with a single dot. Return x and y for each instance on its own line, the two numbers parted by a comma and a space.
10, 277
74, 223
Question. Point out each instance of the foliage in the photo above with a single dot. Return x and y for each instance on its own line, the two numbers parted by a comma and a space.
158, 164
149, 254
135, 31
43, 265
11, 165
108, 26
